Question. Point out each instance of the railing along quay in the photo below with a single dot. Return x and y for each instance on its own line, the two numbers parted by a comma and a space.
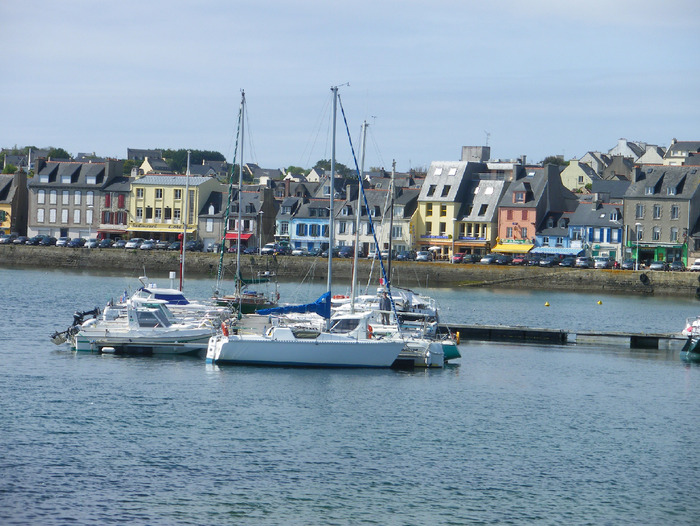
503, 333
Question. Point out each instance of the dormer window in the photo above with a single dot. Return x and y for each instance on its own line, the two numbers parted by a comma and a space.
43, 178
563, 223
65, 179
431, 189
671, 190
327, 190
550, 223
446, 190
519, 197
614, 216
649, 190
91, 179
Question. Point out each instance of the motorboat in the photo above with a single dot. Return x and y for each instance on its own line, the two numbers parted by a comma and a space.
137, 326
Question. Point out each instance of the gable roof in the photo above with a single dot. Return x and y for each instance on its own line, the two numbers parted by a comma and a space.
682, 180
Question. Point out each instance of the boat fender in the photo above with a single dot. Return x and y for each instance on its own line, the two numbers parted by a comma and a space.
370, 331
457, 337
224, 328
339, 297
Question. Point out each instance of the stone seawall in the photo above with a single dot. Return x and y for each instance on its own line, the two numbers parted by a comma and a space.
405, 274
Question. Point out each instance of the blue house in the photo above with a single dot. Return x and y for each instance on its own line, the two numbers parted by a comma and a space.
597, 227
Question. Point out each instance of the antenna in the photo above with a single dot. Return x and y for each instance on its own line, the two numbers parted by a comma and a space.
488, 136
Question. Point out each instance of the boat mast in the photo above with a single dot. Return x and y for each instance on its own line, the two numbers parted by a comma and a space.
357, 218
239, 219
184, 221
331, 226
391, 218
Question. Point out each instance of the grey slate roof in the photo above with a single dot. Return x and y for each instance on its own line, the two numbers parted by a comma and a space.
615, 188
684, 179
588, 214
444, 181
170, 180
119, 184
481, 193
78, 173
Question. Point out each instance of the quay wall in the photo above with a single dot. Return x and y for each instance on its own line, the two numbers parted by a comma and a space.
404, 273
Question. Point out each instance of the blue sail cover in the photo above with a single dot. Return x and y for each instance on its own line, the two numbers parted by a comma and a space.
322, 307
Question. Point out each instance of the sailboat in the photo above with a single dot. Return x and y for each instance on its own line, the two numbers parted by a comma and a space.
346, 341
245, 299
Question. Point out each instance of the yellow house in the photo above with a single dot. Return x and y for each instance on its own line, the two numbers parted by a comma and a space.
158, 207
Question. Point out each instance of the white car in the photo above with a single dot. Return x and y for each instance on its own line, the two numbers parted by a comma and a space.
300, 252
91, 243
134, 242
695, 267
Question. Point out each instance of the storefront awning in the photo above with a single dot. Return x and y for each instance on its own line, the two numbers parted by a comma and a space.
234, 235
512, 248
557, 250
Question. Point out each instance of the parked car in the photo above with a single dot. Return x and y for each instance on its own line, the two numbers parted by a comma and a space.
148, 245
567, 262
48, 241
92, 243
424, 255
519, 259
533, 260
628, 264
301, 251
134, 242
346, 252
471, 258
659, 265
175, 245
676, 265
503, 259
119, 243
20, 240
105, 243
194, 245
457, 258
162, 244
77, 242
272, 248
336, 251
7, 239
35, 240
488, 259
62, 241
602, 262
695, 266
584, 262
406, 255
250, 250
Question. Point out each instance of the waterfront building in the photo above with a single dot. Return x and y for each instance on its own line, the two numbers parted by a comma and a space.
113, 208
158, 204
440, 202
373, 206
526, 203
403, 226
596, 227
137, 154
64, 196
476, 224
661, 210
309, 225
13, 203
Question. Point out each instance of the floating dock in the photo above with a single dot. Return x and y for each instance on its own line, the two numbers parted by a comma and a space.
503, 333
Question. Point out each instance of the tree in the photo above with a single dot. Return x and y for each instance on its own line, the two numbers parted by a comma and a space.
177, 159
555, 159
340, 168
128, 165
10, 169
59, 153
296, 170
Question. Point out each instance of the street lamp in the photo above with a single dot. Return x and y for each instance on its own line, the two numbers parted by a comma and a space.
260, 232
636, 236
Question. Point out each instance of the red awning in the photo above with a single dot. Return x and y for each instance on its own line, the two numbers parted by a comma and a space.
234, 235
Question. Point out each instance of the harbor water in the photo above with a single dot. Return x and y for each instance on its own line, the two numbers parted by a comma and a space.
508, 434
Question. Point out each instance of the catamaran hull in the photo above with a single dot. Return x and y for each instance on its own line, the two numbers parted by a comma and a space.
301, 352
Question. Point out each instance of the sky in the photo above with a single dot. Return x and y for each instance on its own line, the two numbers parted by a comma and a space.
525, 77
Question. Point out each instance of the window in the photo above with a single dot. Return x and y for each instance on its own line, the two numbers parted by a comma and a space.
545, 240
159, 193
52, 197
519, 197
177, 215
210, 225
429, 209
446, 190
524, 232
76, 216
597, 234
377, 212
443, 229
64, 215
614, 215
327, 190
342, 226
576, 234
52, 215
671, 190
431, 190
560, 241
675, 212
65, 197
91, 179
640, 233
43, 178
509, 215
674, 235
314, 230
649, 190
580, 179
639, 211
656, 234
396, 232
443, 210
301, 229
76, 197
284, 228
40, 215
149, 212
524, 215
482, 210
428, 228
398, 211
139, 193
65, 179
177, 194
90, 198
158, 214
324, 231
41, 197
509, 232
88, 216
139, 213
657, 211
